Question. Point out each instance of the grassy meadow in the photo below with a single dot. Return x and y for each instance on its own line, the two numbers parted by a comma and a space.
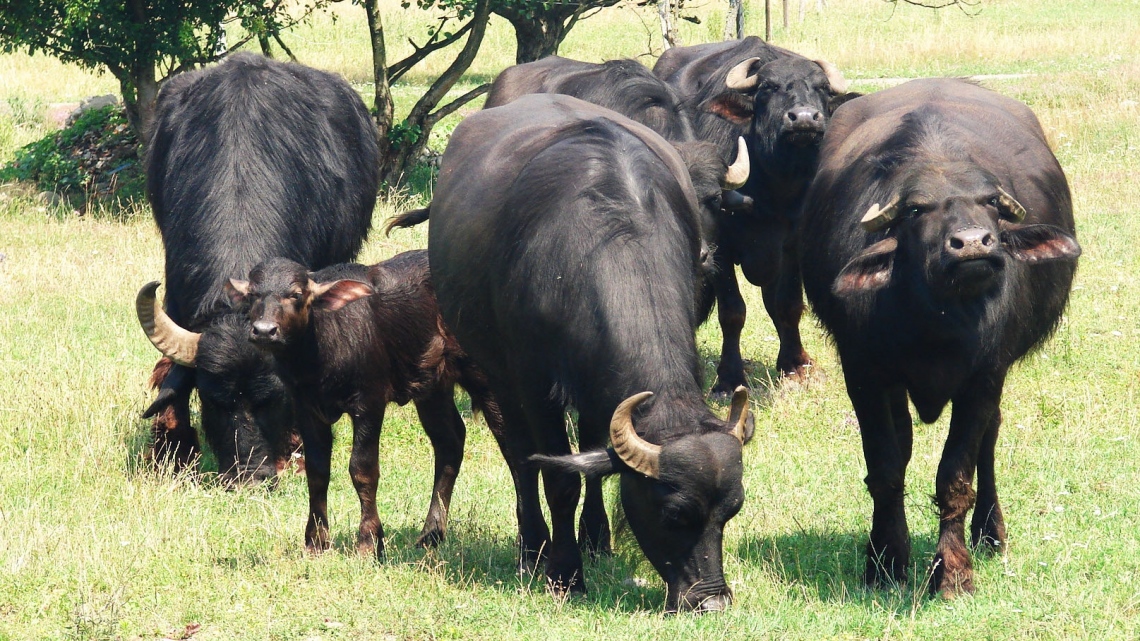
95, 545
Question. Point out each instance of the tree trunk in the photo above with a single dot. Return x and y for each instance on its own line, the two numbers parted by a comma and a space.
734, 21
421, 119
537, 38
139, 89
665, 11
383, 93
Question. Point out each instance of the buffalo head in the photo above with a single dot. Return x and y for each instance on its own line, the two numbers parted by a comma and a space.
955, 227
677, 496
247, 411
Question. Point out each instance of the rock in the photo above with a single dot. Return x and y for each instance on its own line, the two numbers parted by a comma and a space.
59, 114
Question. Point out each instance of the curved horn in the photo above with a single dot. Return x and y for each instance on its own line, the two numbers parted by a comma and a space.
738, 414
876, 219
177, 344
834, 76
634, 451
738, 77
737, 173
1016, 211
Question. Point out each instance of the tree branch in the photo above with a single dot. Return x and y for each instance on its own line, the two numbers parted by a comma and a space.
403, 66
454, 105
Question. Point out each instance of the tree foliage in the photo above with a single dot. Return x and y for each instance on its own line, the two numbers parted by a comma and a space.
140, 42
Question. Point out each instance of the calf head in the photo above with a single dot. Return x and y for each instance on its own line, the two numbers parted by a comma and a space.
247, 411
677, 497
955, 228
280, 296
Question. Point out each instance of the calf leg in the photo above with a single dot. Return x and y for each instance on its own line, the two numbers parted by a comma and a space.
317, 438
445, 429
975, 414
731, 313
364, 468
886, 448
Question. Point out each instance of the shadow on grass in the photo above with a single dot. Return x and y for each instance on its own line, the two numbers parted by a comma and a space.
831, 565
477, 557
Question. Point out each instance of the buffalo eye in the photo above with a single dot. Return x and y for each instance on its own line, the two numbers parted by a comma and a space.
712, 202
295, 296
994, 202
912, 211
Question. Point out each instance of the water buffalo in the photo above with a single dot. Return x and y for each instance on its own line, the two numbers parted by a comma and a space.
248, 159
631, 90
780, 102
352, 339
941, 251
565, 251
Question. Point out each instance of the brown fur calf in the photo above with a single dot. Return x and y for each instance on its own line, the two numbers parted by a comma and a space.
352, 339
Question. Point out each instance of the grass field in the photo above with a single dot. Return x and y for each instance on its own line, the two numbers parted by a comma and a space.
95, 545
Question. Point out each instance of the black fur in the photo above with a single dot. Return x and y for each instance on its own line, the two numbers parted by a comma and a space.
938, 305
566, 264
251, 159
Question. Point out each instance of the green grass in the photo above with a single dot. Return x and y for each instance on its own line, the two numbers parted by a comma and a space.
93, 544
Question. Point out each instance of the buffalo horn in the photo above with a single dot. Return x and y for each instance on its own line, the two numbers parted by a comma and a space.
737, 173
739, 79
834, 76
1016, 211
738, 413
639, 454
876, 219
175, 343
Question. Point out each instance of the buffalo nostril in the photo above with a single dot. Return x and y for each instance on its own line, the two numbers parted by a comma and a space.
957, 243
792, 116
264, 329
971, 240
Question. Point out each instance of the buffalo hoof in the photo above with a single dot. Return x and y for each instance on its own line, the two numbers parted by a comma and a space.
884, 570
715, 603
430, 538
563, 586
950, 581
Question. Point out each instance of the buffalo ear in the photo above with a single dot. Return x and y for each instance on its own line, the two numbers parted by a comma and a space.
332, 296
237, 290
835, 100
1039, 243
869, 271
591, 464
733, 106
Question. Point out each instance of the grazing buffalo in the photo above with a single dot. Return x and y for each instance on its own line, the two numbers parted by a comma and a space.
565, 250
780, 102
941, 251
352, 339
248, 160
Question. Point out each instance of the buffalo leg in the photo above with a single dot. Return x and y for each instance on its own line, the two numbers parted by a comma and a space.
594, 524
174, 437
518, 446
364, 468
886, 448
731, 313
784, 301
444, 427
316, 435
975, 414
987, 528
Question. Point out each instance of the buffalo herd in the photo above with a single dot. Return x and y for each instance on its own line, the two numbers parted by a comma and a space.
584, 224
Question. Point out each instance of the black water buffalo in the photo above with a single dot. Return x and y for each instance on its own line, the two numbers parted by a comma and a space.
248, 160
624, 86
565, 251
352, 339
941, 252
780, 102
